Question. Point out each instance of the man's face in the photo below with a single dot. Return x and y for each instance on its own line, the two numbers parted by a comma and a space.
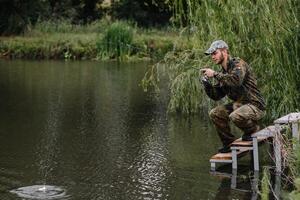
217, 56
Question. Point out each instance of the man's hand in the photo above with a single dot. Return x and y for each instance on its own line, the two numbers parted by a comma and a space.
208, 72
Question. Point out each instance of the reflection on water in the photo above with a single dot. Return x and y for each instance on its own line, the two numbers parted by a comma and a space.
48, 149
88, 127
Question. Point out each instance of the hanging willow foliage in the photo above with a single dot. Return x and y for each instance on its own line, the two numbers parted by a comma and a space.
265, 33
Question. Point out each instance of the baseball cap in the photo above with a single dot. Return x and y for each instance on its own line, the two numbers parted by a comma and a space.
218, 44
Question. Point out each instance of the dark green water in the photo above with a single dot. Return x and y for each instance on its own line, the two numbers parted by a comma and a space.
88, 128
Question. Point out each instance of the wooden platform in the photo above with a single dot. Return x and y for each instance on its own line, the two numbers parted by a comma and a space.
240, 148
238, 143
228, 156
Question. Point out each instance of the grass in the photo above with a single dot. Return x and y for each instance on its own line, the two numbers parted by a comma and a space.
265, 185
50, 46
62, 40
296, 167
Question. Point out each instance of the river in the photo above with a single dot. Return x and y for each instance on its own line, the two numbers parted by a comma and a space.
88, 129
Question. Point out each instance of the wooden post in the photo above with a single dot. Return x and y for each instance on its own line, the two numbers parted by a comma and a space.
213, 166
254, 185
255, 154
277, 148
234, 158
277, 189
233, 179
295, 131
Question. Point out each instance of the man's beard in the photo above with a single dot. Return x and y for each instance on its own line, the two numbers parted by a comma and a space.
221, 59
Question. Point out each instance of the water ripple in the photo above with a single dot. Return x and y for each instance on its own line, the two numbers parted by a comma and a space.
40, 192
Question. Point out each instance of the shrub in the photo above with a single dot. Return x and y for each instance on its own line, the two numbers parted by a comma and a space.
117, 41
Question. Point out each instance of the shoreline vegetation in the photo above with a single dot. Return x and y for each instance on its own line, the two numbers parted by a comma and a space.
263, 33
100, 40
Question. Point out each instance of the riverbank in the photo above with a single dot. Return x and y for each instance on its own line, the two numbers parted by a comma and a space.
49, 40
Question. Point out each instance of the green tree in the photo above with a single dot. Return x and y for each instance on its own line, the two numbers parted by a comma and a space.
15, 15
145, 13
76, 11
86, 10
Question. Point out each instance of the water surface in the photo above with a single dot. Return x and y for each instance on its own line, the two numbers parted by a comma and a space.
89, 128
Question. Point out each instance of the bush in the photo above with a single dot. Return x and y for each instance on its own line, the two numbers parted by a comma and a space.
66, 26
117, 41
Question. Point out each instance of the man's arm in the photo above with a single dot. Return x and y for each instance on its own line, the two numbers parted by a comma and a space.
215, 92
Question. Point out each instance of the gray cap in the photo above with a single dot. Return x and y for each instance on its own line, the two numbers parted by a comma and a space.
218, 44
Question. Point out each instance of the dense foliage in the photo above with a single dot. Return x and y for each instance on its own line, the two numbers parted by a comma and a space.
16, 16
145, 13
265, 33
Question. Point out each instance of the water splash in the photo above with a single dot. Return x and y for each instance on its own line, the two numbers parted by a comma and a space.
44, 192
42, 188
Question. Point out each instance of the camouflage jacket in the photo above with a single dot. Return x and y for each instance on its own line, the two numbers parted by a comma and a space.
237, 82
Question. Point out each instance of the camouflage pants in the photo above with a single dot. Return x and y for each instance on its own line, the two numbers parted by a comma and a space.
244, 117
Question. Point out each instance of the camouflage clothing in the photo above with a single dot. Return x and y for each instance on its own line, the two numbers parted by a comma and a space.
245, 117
239, 84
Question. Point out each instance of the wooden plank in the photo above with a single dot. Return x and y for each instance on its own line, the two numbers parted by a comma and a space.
290, 118
221, 156
277, 151
267, 132
214, 161
240, 142
227, 156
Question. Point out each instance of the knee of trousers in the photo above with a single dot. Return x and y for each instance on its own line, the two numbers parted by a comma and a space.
236, 118
217, 114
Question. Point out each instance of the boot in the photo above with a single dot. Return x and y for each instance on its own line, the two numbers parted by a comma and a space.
249, 132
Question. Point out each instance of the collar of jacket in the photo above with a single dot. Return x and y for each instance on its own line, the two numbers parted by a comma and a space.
229, 64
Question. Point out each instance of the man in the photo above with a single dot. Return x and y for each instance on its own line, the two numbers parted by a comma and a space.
235, 80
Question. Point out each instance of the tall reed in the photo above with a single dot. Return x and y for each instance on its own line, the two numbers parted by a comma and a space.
117, 41
265, 185
66, 26
265, 33
296, 166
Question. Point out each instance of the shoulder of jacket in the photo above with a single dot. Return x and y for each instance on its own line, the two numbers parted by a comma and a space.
238, 62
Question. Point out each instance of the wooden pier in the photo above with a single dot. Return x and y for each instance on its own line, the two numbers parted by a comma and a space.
240, 148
